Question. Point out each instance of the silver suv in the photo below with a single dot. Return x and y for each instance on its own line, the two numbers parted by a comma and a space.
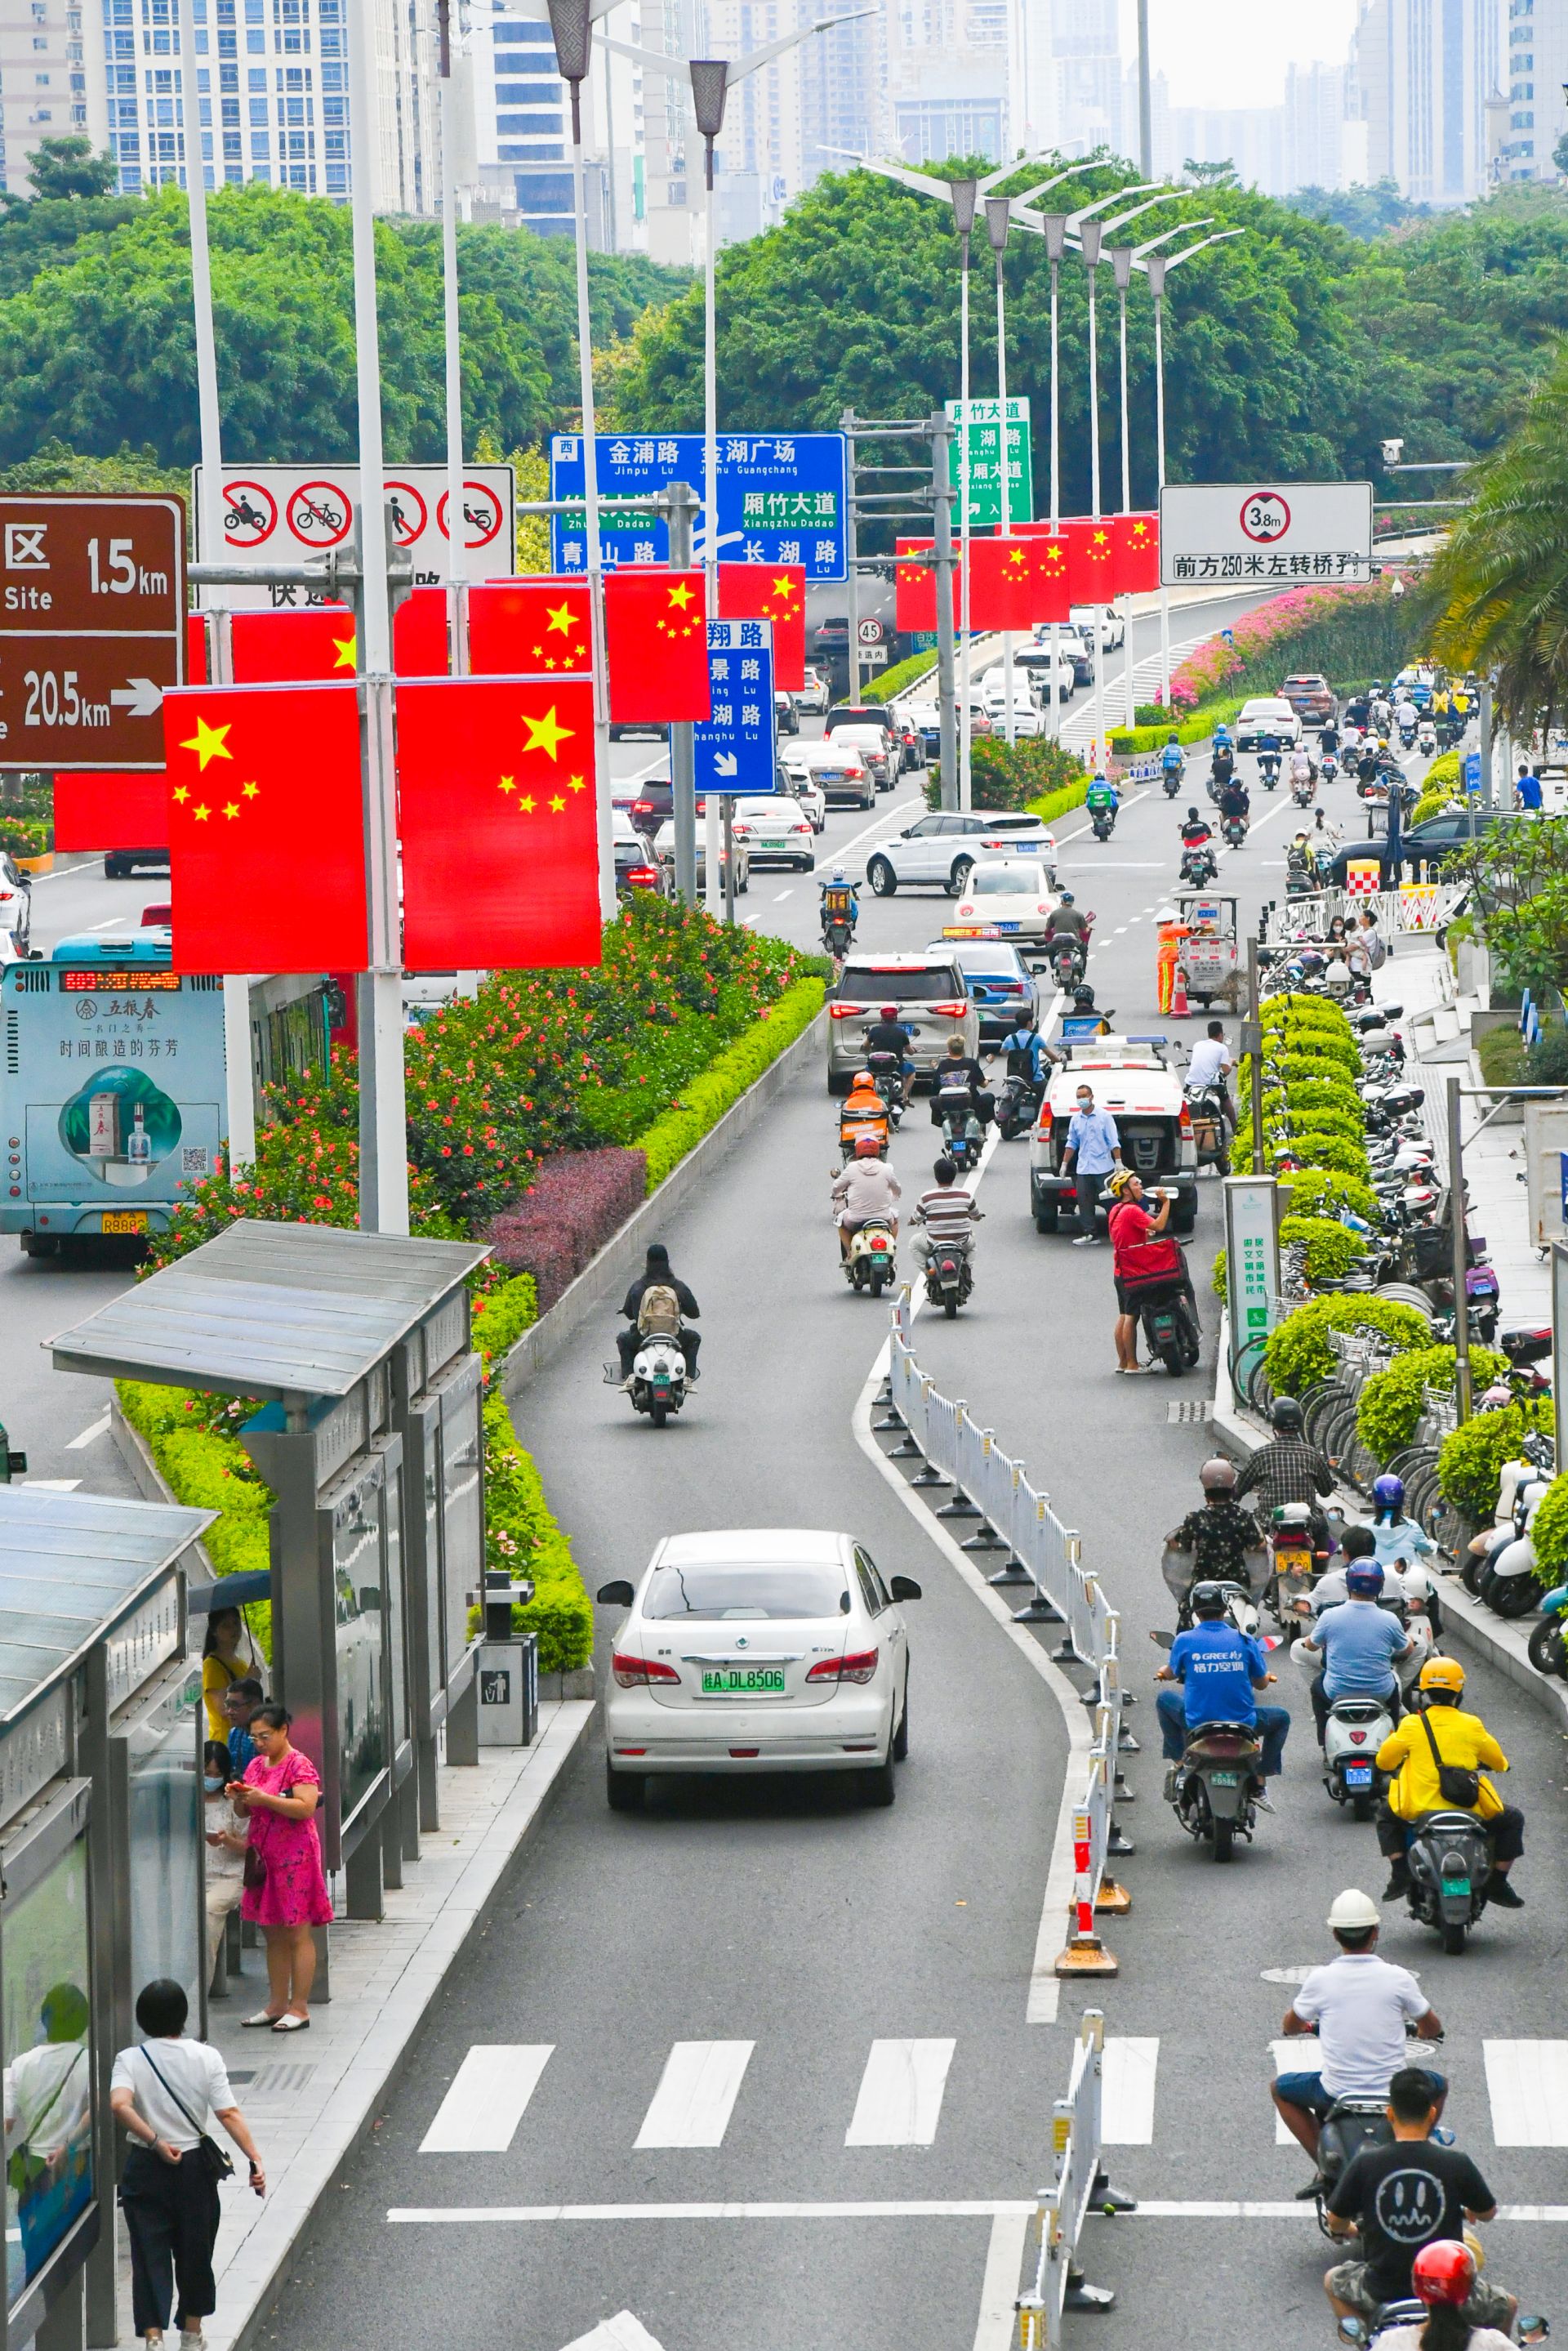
932, 1001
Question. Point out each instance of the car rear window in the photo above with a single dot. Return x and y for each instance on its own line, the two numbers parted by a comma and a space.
1006, 881
708, 1593
868, 983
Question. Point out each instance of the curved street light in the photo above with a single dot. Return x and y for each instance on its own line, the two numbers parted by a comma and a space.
1157, 267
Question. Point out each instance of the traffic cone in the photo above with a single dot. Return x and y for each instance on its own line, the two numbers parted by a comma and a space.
1179, 1005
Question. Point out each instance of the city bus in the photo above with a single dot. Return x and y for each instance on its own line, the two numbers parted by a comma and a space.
113, 1082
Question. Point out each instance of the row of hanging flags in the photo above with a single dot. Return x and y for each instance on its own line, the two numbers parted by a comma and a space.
1034, 576
261, 802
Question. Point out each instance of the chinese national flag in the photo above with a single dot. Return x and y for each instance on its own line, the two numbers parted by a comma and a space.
496, 789
419, 634
1092, 558
195, 649
1051, 596
914, 590
267, 831
1001, 584
775, 592
111, 812
274, 647
656, 631
530, 627
1137, 554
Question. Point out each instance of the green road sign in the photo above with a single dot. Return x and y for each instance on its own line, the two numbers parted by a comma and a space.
985, 438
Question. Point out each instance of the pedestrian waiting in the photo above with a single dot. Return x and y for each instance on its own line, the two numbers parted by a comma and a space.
284, 1887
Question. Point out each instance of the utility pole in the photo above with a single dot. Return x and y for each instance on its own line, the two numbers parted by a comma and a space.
852, 551
943, 548
1460, 1236
1145, 104
683, 748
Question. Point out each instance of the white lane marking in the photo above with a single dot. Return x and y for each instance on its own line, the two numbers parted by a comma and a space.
916, 2208
94, 1429
488, 2098
1303, 2055
1527, 2082
696, 2093
999, 2288
1126, 2091
900, 2100
621, 2332
53, 1485
784, 893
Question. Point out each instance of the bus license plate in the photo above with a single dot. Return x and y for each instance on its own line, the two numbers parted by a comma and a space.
123, 1220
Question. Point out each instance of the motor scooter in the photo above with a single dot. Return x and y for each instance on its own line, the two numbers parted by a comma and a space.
659, 1380
950, 1274
888, 1075
1297, 1558
1242, 1597
1214, 1788
1017, 1105
1507, 1582
1450, 1858
872, 1259
1234, 829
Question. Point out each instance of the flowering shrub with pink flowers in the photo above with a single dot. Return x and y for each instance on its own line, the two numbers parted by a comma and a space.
1343, 631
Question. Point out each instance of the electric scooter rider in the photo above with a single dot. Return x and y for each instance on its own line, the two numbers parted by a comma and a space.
1359, 1643
1235, 801
1029, 1055
1218, 1669
1221, 1533
888, 1034
1172, 765
1270, 747
656, 1275
840, 903
1194, 831
1443, 1738
1358, 2006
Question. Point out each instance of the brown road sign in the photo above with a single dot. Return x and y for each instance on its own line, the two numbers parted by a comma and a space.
92, 629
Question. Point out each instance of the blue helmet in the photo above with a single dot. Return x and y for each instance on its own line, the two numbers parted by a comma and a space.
1388, 1494
1364, 1579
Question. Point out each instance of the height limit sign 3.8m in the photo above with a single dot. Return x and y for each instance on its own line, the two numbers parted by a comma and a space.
92, 621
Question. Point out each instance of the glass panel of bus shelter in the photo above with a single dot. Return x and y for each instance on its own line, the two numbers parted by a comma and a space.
361, 1650
49, 2064
396, 1660
461, 1549
431, 1450
166, 1825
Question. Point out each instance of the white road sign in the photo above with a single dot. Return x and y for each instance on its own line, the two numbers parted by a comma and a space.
289, 514
1288, 531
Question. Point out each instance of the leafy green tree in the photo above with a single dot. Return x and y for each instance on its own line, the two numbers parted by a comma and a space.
1210, 175
1363, 211
126, 472
101, 351
67, 167
1559, 153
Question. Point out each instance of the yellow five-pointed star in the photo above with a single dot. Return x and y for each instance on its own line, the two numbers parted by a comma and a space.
347, 650
231, 808
526, 804
1016, 555
508, 784
209, 743
182, 793
201, 813
680, 596
575, 783
784, 588
250, 790
559, 618
545, 734
557, 802
1100, 538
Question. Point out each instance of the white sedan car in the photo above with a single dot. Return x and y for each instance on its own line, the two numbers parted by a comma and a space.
758, 1649
801, 780
1266, 713
776, 830
1005, 899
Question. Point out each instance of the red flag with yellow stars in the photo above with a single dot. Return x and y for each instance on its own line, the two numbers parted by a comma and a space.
266, 828
1091, 553
496, 794
775, 592
656, 633
1054, 591
914, 589
534, 627
1137, 554
420, 634
1001, 584
280, 646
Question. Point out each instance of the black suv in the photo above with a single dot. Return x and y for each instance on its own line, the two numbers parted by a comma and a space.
1421, 844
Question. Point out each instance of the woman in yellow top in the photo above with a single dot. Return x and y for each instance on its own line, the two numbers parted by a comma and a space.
1463, 1742
228, 1655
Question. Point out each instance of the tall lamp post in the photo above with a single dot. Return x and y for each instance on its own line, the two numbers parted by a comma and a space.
1158, 267
998, 218
1121, 261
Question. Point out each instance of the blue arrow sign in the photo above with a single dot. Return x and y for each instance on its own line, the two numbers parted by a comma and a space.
781, 497
734, 749
1473, 773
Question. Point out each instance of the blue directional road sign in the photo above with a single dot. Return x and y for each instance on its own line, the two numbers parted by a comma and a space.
781, 497
735, 747
1473, 773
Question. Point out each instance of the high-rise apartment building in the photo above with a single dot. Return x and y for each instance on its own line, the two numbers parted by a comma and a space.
1086, 48
45, 90
521, 114
1425, 70
1532, 71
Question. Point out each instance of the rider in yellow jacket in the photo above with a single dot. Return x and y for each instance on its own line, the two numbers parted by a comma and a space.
1463, 1742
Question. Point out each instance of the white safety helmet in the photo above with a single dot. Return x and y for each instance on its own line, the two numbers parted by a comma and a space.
1353, 1910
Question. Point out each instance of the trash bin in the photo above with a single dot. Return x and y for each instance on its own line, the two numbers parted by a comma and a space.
508, 1677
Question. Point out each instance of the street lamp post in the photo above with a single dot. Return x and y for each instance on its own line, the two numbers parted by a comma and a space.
1158, 267
456, 545
997, 214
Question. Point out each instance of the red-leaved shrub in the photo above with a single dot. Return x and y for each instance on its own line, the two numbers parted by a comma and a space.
576, 1202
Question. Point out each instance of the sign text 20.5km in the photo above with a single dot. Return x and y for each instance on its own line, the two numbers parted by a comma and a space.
92, 619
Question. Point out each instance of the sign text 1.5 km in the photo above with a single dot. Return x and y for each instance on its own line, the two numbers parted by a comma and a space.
1281, 531
92, 629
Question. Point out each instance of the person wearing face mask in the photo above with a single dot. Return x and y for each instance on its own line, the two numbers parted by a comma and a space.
226, 1842
1094, 1152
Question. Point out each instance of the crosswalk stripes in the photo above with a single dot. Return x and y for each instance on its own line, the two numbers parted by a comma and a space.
1126, 2091
696, 2093
1527, 2082
900, 2099
488, 2098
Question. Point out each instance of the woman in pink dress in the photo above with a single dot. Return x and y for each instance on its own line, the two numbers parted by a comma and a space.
286, 1891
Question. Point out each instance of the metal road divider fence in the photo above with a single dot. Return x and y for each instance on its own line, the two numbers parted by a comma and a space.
1014, 1518
1417, 906
1078, 2188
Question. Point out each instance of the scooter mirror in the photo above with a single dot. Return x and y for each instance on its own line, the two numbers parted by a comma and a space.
1162, 1640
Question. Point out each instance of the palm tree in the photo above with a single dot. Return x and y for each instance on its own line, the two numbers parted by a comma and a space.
1497, 594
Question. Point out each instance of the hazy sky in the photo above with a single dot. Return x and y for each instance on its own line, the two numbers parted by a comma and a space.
1235, 52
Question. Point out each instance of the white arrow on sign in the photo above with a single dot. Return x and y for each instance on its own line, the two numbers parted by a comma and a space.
140, 697
724, 764
621, 2332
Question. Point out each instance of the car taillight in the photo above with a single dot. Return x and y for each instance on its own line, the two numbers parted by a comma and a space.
1045, 1122
636, 1673
642, 807
845, 1011
859, 1665
1185, 1122
952, 1011
645, 874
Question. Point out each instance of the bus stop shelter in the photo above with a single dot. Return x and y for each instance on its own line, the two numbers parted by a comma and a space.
356, 1348
101, 1867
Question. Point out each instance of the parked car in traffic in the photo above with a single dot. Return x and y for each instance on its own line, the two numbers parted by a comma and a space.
776, 830
842, 777
1002, 987
1265, 714
875, 745
786, 717
939, 851
635, 867
664, 857
1311, 696
931, 998
813, 696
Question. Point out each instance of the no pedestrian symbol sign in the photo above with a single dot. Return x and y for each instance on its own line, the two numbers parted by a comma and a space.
734, 749
92, 629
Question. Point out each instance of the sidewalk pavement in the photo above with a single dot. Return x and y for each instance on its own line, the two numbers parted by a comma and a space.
309, 2097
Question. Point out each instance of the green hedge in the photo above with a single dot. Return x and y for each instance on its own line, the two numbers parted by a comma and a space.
902, 675
1127, 743
705, 1100
1549, 1534
1331, 1248
500, 1320
1471, 1461
1316, 1191
521, 1535
1298, 1354
1392, 1401
208, 1470
1051, 805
